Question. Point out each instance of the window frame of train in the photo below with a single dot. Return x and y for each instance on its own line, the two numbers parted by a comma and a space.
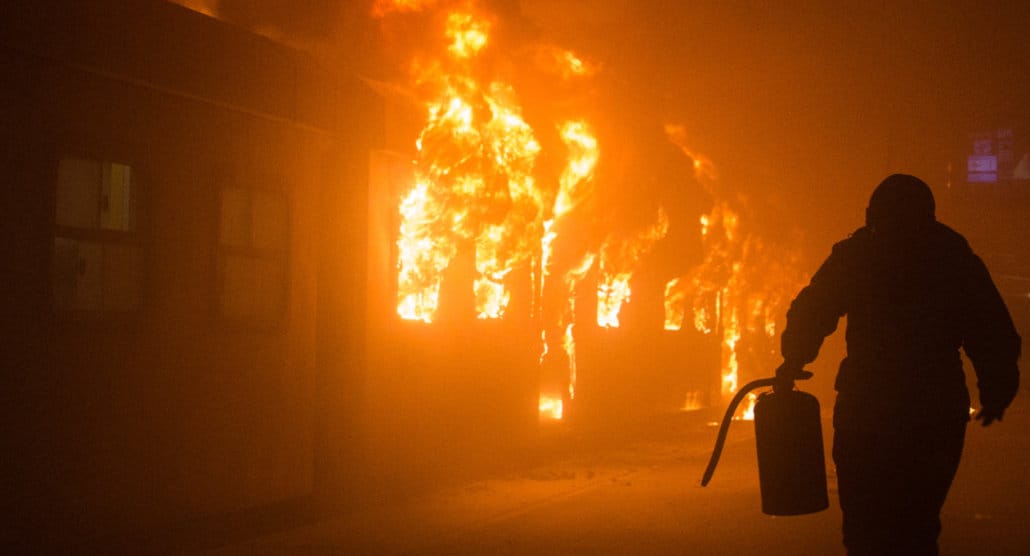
253, 257
97, 249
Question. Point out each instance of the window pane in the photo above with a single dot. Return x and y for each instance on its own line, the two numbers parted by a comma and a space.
269, 290
116, 206
253, 237
237, 300
95, 272
234, 226
78, 192
77, 275
253, 289
65, 272
122, 273
269, 223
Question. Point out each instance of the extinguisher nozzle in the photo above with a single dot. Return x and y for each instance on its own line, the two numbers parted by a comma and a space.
725, 426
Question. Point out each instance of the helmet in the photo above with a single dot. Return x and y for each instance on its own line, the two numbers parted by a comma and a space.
900, 202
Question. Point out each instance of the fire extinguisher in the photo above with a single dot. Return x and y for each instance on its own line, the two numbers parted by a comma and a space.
789, 439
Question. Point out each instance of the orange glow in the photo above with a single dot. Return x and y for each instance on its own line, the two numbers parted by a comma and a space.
206, 7
551, 407
569, 345
730, 367
483, 211
675, 298
579, 171
382, 8
611, 294
563, 63
574, 186
575, 65
468, 35
704, 169
740, 287
693, 401
477, 195
474, 186
574, 182
568, 317
747, 410
619, 258
421, 258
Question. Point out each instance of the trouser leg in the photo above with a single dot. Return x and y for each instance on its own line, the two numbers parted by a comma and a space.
892, 487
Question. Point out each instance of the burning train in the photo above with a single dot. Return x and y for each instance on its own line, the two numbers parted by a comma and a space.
628, 279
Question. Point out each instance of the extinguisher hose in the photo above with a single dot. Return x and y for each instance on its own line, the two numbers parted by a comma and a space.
725, 426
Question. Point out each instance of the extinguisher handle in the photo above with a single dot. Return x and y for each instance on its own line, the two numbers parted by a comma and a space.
725, 426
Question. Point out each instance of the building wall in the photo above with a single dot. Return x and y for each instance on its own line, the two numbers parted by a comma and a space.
172, 410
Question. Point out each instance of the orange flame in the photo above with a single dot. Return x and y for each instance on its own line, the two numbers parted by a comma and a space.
740, 287
383, 8
747, 411
573, 277
468, 35
564, 63
422, 258
574, 181
574, 187
618, 261
675, 300
551, 407
579, 172
704, 169
476, 187
693, 401
730, 366
477, 196
474, 183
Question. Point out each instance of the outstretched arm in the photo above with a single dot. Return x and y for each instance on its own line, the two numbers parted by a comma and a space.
992, 344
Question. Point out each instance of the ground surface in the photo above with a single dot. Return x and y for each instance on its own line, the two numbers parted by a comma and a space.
643, 497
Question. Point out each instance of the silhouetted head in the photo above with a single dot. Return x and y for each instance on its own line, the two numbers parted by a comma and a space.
901, 204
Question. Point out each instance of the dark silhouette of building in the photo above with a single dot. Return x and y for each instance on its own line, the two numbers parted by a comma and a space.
177, 194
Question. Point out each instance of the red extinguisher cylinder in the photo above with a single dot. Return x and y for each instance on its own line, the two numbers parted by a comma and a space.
791, 463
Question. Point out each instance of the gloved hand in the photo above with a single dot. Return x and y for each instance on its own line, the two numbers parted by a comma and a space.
988, 415
787, 373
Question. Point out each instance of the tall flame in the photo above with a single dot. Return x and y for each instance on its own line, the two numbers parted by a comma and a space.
573, 277
574, 187
739, 288
618, 261
574, 182
422, 258
474, 185
579, 172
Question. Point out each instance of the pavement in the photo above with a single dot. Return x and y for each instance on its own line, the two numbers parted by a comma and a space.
641, 495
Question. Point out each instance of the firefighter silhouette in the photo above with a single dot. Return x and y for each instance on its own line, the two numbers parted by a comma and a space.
914, 293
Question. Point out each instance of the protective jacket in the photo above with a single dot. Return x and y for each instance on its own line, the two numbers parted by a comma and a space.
911, 304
